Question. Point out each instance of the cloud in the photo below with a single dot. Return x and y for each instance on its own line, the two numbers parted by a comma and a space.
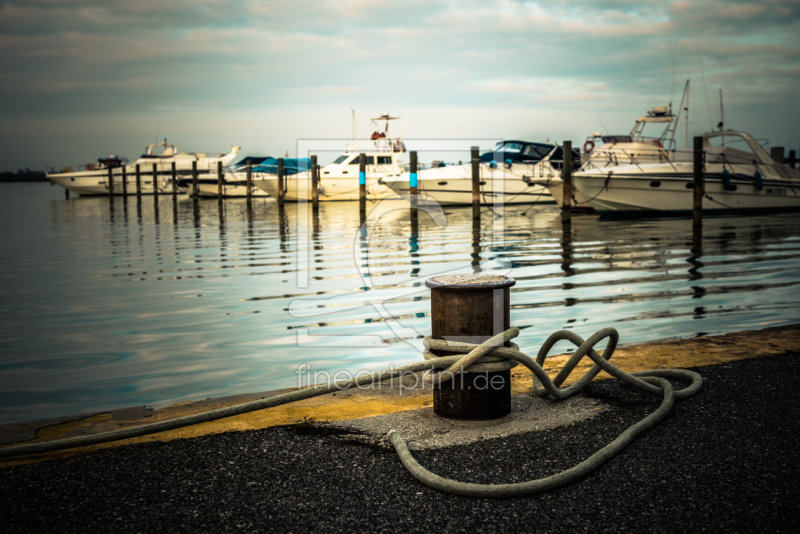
67, 59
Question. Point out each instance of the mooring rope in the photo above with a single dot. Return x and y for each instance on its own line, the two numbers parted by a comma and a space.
652, 382
487, 356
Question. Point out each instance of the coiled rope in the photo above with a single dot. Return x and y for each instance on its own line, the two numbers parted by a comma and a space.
652, 382
488, 356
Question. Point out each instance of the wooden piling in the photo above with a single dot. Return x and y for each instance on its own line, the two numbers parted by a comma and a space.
476, 183
566, 207
413, 181
124, 181
362, 183
155, 181
195, 184
471, 308
697, 205
314, 184
219, 180
174, 180
249, 180
281, 184
138, 181
777, 154
110, 183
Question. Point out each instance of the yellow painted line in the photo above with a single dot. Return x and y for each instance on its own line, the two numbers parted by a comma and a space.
357, 404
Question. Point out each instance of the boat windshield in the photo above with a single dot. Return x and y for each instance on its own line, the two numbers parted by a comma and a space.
516, 151
341, 158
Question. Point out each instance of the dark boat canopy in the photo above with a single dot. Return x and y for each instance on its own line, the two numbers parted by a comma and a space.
290, 165
513, 151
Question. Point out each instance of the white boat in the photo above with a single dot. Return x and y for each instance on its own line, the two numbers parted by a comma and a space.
340, 180
604, 151
94, 180
513, 173
739, 176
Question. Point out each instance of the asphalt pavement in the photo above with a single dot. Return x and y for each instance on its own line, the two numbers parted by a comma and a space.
725, 460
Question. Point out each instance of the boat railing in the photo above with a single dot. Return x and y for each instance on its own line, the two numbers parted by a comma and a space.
84, 167
381, 144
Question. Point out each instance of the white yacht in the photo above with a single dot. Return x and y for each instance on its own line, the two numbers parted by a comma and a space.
739, 176
603, 151
513, 173
339, 180
94, 180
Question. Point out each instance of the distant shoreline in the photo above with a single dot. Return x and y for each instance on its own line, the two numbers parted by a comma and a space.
23, 177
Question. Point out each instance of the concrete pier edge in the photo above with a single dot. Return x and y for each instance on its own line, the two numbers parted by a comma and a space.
358, 404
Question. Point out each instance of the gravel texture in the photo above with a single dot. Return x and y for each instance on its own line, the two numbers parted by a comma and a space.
724, 461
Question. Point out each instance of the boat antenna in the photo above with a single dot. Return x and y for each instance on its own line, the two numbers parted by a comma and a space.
354, 122
686, 125
705, 89
672, 89
721, 112
601, 122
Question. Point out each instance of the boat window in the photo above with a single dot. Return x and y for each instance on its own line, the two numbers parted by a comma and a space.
531, 152
511, 147
370, 160
341, 158
384, 160
611, 139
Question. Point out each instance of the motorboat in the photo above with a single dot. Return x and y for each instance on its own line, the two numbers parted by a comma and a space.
91, 179
739, 175
234, 178
602, 151
512, 173
638, 146
384, 152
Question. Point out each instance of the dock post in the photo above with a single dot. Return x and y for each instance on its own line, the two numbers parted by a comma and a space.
697, 205
777, 153
66, 194
314, 184
792, 158
110, 183
413, 182
138, 181
195, 184
471, 308
155, 181
174, 180
281, 184
476, 186
219, 181
124, 181
249, 180
566, 207
362, 183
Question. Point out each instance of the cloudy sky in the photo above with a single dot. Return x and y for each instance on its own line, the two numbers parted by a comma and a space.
86, 78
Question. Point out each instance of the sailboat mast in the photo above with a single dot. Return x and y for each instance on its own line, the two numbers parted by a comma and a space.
686, 125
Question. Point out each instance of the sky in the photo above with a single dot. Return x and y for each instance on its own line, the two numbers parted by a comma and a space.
81, 79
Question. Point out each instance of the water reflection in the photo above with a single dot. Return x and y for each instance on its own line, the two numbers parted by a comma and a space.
153, 313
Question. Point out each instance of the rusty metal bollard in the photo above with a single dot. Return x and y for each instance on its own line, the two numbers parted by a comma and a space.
471, 308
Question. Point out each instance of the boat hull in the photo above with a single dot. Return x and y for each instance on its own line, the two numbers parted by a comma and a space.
331, 189
96, 184
207, 188
674, 193
452, 186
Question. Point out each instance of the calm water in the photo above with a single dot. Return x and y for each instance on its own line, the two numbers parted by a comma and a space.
117, 304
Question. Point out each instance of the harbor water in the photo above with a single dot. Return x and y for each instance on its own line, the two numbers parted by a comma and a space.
115, 303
